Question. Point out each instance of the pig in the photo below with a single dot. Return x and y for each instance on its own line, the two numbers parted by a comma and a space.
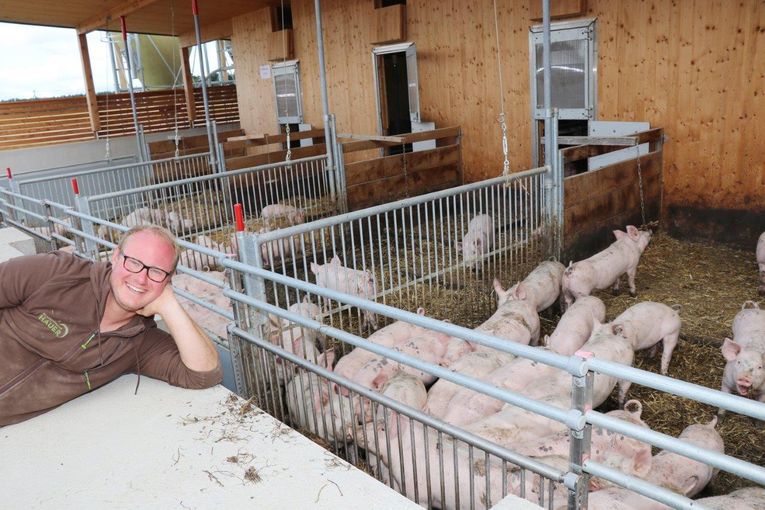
201, 261
474, 364
420, 462
681, 474
745, 354
363, 284
618, 498
575, 326
429, 347
541, 286
748, 498
615, 450
515, 316
761, 262
744, 370
477, 241
653, 323
389, 336
144, 215
749, 324
206, 318
306, 309
274, 251
606, 267
176, 223
272, 214
313, 407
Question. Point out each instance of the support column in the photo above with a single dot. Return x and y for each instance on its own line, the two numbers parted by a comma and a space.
188, 86
90, 89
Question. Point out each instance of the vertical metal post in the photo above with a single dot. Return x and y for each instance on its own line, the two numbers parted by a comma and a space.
130, 86
82, 204
581, 400
51, 225
551, 178
340, 191
240, 318
203, 72
329, 136
15, 189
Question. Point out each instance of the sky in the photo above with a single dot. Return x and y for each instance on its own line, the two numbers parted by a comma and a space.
39, 62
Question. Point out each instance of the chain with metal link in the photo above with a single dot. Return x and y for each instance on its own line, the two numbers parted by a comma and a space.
640, 184
505, 162
289, 145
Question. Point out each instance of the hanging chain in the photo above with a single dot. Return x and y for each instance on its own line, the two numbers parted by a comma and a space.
406, 177
501, 116
505, 161
288, 157
640, 183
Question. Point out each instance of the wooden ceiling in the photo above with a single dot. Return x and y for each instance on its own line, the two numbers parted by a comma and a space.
163, 17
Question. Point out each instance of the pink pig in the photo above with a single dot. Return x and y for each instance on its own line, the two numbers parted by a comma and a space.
293, 215
575, 326
745, 354
606, 267
335, 276
749, 498
477, 241
541, 286
653, 323
681, 474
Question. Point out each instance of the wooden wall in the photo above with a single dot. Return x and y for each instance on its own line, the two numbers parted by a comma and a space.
693, 67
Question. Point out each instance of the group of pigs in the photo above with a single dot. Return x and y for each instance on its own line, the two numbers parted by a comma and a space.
334, 414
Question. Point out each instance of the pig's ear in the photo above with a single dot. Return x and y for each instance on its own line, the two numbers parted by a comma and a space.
730, 349
633, 232
378, 382
642, 464
335, 260
546, 340
712, 423
314, 268
420, 311
520, 291
618, 329
619, 234
273, 320
498, 287
305, 299
689, 484
326, 359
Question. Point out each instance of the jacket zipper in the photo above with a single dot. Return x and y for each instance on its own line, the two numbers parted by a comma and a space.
32, 368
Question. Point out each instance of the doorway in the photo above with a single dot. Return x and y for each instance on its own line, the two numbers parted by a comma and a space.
397, 91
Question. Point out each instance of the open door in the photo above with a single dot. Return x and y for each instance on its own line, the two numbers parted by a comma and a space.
397, 93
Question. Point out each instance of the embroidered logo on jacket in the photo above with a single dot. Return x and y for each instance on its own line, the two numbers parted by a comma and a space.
58, 329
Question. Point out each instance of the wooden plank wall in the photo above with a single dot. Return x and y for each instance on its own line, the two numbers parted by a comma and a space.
695, 68
47, 121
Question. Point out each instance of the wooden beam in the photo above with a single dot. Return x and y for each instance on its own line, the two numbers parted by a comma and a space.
102, 19
188, 86
216, 31
90, 89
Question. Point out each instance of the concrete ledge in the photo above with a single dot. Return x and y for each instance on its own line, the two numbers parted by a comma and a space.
17, 242
168, 447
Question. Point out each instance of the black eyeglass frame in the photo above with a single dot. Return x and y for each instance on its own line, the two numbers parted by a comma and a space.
148, 269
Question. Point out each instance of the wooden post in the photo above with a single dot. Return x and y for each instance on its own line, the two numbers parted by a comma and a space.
188, 86
90, 89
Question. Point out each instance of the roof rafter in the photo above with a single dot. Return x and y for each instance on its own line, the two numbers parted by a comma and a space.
112, 14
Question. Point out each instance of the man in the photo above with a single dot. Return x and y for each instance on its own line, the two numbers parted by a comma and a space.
69, 325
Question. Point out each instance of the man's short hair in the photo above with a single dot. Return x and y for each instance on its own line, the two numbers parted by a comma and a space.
157, 230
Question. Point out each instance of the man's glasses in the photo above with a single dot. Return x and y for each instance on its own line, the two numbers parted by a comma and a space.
133, 265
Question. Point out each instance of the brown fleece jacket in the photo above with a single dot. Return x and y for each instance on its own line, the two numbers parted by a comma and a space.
50, 348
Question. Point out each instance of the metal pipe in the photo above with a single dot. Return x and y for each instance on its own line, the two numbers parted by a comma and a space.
328, 132
203, 72
400, 204
130, 86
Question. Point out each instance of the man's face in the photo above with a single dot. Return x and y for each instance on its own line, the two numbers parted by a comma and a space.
133, 291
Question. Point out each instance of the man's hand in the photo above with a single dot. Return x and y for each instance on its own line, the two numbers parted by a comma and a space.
196, 349
164, 301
